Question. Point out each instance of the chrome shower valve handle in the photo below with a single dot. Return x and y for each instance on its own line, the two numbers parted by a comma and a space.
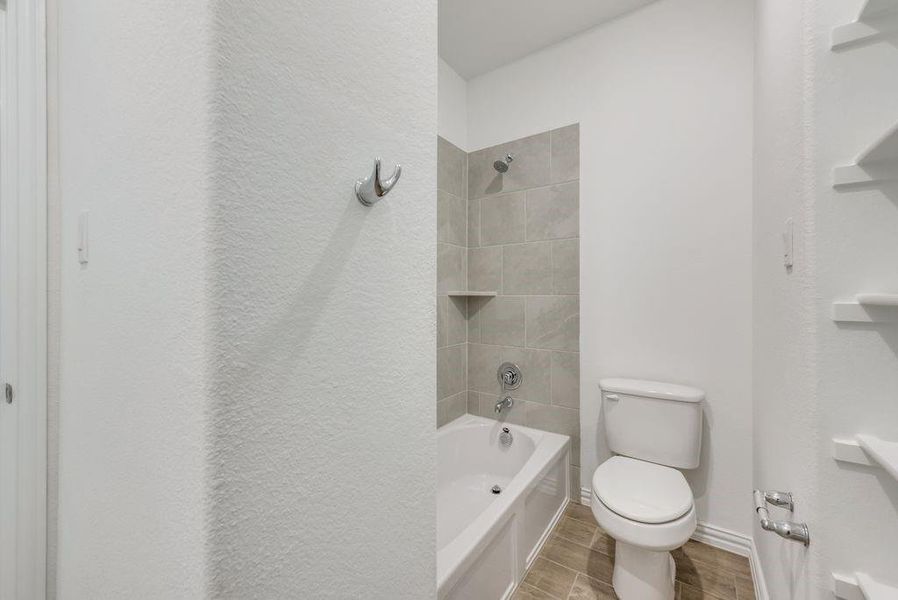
370, 190
509, 376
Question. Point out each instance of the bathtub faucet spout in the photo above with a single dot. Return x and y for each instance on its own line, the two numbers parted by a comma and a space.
504, 403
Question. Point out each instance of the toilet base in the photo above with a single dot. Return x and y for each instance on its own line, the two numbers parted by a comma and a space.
641, 574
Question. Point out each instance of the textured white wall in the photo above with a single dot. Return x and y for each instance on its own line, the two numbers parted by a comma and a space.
453, 106
664, 101
324, 323
816, 379
134, 83
247, 373
785, 365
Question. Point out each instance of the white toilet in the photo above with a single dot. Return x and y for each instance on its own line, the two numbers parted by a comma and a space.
638, 496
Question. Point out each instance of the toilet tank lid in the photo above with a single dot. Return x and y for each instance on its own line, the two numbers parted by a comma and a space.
652, 389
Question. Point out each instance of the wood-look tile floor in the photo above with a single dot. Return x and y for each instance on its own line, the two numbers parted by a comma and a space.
576, 563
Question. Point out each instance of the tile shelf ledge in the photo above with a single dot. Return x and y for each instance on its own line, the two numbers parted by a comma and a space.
868, 450
875, 18
872, 307
859, 586
877, 163
472, 294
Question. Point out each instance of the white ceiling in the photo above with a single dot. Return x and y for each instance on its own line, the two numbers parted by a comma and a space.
477, 36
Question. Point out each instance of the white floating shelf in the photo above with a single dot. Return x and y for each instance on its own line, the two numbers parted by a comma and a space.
877, 16
873, 307
470, 294
868, 450
879, 162
861, 587
877, 299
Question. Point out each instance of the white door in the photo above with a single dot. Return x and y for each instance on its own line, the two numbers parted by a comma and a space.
22, 302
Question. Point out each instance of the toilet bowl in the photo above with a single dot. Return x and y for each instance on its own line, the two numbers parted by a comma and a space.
648, 509
639, 497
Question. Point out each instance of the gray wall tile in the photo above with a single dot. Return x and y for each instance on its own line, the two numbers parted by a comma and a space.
485, 225
536, 366
451, 371
575, 483
565, 153
442, 321
475, 306
484, 361
451, 408
566, 379
458, 312
452, 169
474, 223
473, 403
452, 219
502, 321
485, 269
502, 219
452, 268
527, 268
566, 266
553, 212
529, 169
557, 420
452, 274
456, 320
553, 322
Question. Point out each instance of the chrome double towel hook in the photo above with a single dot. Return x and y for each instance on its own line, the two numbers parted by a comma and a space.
369, 191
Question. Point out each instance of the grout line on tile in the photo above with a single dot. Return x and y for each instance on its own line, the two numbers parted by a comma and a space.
550, 154
527, 189
542, 296
552, 266
546, 241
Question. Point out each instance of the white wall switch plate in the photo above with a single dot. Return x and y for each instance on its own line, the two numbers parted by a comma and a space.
83, 237
788, 243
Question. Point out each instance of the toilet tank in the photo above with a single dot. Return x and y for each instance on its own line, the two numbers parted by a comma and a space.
653, 421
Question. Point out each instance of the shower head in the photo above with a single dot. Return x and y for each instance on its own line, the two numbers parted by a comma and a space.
503, 164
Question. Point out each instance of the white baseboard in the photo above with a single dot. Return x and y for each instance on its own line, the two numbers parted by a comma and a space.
736, 543
757, 574
585, 496
718, 537
724, 539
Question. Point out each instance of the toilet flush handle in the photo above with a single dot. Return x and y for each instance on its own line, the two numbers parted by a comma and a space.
612, 397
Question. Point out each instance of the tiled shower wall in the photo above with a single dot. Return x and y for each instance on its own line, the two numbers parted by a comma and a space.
452, 274
521, 230
523, 239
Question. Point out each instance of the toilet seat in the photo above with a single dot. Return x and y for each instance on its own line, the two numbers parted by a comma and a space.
642, 491
638, 492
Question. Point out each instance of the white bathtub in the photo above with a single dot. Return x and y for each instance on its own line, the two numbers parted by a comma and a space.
485, 542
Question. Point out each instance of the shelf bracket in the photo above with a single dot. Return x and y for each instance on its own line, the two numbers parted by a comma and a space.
879, 162
877, 18
868, 450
